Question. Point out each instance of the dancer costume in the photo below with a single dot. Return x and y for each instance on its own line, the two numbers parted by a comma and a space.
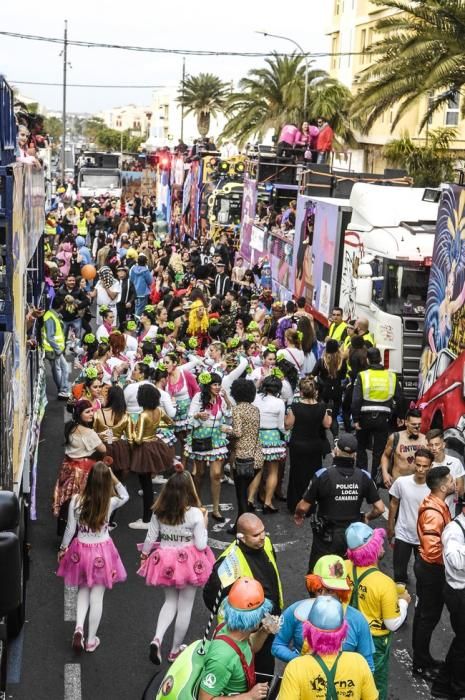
166, 430
182, 391
118, 449
272, 412
208, 428
150, 455
179, 554
92, 558
78, 461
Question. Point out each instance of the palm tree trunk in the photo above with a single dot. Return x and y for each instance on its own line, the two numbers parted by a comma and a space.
203, 123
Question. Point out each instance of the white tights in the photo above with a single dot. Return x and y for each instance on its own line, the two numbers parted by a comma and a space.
179, 603
90, 600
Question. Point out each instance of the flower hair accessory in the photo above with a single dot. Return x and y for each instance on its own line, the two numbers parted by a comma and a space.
253, 326
178, 467
148, 359
248, 370
276, 372
89, 338
250, 338
170, 325
214, 322
131, 325
205, 378
104, 340
233, 342
91, 373
161, 366
157, 348
103, 309
300, 335
271, 348
280, 356
193, 343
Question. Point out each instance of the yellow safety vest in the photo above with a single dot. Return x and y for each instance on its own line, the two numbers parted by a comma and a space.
336, 332
378, 386
50, 230
59, 335
82, 227
370, 338
245, 568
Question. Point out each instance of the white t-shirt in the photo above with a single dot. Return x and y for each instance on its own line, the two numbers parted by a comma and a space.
191, 531
410, 495
103, 298
131, 343
272, 410
457, 470
295, 357
130, 396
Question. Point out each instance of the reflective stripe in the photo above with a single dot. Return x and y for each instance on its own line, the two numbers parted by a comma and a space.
372, 408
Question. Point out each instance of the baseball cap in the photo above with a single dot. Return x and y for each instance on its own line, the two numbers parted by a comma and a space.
330, 569
326, 614
347, 443
358, 534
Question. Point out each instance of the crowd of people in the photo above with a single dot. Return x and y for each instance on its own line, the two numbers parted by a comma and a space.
187, 369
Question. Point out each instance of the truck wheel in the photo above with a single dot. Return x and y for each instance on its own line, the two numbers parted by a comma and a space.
16, 618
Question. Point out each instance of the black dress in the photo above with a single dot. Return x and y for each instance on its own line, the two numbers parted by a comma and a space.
307, 446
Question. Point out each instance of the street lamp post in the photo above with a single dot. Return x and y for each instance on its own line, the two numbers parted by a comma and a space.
287, 38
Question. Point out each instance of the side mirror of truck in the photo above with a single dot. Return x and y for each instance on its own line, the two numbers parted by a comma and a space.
364, 291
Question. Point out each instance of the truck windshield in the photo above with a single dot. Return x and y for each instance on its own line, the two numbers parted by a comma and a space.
403, 290
97, 179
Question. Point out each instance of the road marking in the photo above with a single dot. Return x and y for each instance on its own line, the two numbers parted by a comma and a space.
70, 603
72, 682
279, 547
419, 685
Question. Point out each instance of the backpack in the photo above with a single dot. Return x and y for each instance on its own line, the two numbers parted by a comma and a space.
182, 680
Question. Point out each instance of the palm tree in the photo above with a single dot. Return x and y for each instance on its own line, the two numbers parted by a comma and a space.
420, 53
205, 95
270, 97
428, 164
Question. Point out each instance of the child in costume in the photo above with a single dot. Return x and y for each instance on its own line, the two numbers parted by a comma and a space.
91, 560
175, 556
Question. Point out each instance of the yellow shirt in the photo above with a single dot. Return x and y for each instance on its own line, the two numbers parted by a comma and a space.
377, 598
304, 679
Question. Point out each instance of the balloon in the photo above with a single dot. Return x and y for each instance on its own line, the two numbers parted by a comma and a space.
88, 272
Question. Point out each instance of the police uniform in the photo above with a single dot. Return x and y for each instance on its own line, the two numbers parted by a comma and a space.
339, 492
338, 331
376, 390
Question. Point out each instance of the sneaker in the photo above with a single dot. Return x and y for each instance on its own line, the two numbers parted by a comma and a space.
63, 395
139, 525
78, 640
173, 655
159, 479
112, 526
155, 652
227, 468
92, 646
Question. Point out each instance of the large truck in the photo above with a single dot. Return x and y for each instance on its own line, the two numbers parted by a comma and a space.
370, 254
99, 174
442, 370
22, 375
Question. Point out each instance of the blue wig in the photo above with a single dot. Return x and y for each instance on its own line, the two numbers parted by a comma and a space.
245, 620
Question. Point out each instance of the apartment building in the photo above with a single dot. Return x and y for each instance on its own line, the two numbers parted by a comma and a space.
132, 118
353, 29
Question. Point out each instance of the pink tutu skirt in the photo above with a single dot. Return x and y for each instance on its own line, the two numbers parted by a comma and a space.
90, 565
177, 566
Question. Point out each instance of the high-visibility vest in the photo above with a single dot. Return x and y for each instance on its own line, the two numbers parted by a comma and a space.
337, 331
378, 388
369, 337
82, 227
59, 335
245, 568
49, 229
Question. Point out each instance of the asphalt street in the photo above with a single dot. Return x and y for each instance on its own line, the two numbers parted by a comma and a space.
42, 665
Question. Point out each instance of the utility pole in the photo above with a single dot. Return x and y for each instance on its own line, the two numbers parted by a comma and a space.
65, 66
182, 103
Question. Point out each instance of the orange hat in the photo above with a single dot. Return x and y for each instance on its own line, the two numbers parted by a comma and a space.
246, 594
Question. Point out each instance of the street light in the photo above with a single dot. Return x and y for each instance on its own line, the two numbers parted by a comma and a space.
287, 38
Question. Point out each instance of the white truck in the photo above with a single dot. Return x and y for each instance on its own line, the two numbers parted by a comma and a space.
374, 262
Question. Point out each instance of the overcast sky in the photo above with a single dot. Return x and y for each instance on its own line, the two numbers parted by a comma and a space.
204, 24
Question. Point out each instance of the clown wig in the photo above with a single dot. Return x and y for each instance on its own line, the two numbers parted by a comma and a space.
368, 554
245, 620
196, 324
324, 641
315, 584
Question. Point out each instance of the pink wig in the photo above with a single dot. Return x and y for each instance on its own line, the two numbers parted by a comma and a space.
324, 641
368, 554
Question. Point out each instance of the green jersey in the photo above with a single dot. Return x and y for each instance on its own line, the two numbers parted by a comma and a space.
223, 673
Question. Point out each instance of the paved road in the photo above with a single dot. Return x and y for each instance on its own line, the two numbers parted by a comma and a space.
42, 665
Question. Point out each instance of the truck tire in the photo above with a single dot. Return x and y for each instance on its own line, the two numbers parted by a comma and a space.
10, 566
16, 617
9, 511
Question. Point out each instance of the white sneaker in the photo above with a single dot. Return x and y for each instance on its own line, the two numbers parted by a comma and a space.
227, 468
159, 479
139, 525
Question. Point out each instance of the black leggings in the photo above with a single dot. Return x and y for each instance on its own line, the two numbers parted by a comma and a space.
145, 481
242, 484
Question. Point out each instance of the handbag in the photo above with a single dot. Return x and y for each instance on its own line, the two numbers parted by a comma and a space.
204, 444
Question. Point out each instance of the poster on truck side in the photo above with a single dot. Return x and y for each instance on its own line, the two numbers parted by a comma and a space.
441, 380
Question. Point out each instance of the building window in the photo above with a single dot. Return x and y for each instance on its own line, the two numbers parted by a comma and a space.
363, 45
334, 52
118, 123
452, 111
371, 40
337, 7
136, 125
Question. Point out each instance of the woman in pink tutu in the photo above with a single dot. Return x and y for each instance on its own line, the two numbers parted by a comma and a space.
175, 556
91, 560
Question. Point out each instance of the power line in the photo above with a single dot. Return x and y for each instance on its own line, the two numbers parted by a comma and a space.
81, 85
183, 52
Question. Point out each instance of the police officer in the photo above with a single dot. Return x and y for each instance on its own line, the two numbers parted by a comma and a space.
339, 492
338, 327
376, 392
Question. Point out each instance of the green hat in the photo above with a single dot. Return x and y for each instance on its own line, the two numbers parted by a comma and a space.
331, 570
